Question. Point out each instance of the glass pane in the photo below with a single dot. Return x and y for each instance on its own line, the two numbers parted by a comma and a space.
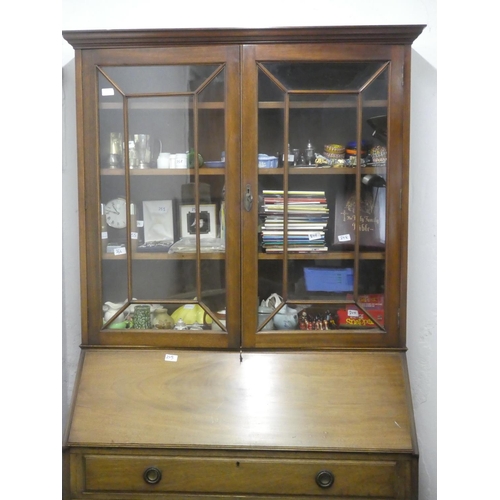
211, 118
271, 139
114, 241
159, 125
369, 312
159, 128
310, 267
326, 284
111, 125
158, 79
171, 273
323, 76
210, 229
321, 125
271, 124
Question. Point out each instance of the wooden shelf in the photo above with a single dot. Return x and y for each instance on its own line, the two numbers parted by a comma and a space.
375, 103
262, 256
323, 256
166, 256
262, 171
322, 171
159, 105
166, 171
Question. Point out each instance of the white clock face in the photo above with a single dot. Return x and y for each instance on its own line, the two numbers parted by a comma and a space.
116, 213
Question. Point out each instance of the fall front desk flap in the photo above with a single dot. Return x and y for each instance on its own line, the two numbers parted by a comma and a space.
328, 400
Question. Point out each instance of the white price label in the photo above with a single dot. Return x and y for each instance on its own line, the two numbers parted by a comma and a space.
171, 357
104, 235
120, 251
352, 313
314, 236
140, 223
344, 237
107, 92
134, 236
189, 306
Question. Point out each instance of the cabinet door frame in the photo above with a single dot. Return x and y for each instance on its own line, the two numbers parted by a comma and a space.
89, 191
398, 57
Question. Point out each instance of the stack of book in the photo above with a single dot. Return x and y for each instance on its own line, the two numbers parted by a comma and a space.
307, 218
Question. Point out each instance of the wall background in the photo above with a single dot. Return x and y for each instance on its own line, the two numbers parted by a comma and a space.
422, 297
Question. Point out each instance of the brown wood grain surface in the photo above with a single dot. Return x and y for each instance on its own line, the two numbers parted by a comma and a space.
354, 478
347, 401
382, 34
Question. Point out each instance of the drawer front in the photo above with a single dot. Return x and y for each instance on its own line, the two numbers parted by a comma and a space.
348, 478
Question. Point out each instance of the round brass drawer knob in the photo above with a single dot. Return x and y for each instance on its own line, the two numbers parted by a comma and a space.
324, 479
152, 475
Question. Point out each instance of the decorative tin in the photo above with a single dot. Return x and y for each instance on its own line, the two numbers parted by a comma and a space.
142, 317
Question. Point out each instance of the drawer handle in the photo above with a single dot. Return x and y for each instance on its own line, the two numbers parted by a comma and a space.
152, 475
324, 479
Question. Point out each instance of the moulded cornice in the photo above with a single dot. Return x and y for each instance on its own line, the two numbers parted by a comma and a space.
380, 34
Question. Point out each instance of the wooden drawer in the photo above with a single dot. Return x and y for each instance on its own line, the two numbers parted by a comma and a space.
351, 478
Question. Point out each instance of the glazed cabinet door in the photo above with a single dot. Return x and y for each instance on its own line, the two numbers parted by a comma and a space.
159, 167
323, 161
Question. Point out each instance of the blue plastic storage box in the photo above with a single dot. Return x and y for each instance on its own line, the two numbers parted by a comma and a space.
266, 161
328, 279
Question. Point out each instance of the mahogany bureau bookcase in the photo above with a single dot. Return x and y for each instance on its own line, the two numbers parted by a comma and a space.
243, 199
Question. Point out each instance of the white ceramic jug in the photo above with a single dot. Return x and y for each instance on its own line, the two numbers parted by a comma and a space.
110, 309
286, 319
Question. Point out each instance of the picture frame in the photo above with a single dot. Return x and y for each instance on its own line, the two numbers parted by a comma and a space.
158, 221
208, 220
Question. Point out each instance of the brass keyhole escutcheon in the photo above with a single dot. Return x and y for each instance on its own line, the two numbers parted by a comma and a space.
248, 199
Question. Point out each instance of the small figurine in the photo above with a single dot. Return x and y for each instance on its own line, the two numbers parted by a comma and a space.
329, 320
309, 153
318, 325
303, 322
180, 325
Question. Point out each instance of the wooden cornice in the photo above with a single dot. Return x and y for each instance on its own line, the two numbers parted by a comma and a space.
389, 34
